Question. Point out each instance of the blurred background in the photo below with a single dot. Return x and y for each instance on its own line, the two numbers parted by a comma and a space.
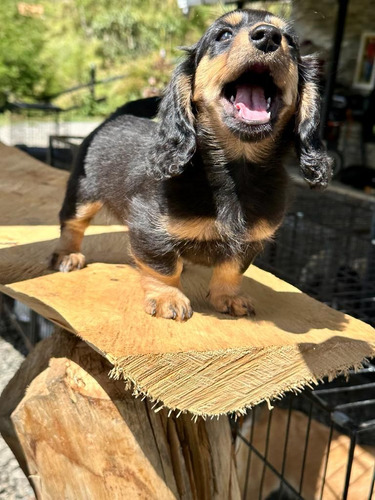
49, 47
67, 64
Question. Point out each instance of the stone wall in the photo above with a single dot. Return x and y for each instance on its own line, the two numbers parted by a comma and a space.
315, 21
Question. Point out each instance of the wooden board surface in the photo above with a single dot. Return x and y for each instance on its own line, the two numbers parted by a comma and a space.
211, 364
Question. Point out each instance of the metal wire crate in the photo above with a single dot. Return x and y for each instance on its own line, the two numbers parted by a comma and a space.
62, 150
326, 247
319, 445
32, 124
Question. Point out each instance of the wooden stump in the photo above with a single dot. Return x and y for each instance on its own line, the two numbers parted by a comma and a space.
78, 434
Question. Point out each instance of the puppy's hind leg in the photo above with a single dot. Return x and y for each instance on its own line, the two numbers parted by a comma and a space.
74, 219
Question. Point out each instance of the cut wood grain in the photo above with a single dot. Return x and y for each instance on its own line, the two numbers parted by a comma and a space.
83, 436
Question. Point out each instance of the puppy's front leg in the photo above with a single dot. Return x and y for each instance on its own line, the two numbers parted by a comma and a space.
163, 297
224, 293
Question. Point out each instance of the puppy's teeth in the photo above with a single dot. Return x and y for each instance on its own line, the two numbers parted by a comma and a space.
268, 103
232, 99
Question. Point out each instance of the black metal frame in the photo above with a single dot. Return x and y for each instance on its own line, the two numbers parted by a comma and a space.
341, 417
334, 62
71, 145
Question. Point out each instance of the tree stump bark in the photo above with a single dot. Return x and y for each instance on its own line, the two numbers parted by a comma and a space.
79, 435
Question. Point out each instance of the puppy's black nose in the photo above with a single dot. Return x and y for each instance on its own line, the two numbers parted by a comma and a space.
266, 37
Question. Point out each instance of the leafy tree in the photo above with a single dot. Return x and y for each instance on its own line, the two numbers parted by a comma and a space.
22, 71
40, 57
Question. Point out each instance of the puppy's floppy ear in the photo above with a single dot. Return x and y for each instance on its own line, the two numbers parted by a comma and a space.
315, 163
174, 142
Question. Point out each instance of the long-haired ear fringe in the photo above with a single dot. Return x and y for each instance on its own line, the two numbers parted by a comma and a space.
315, 164
189, 49
175, 139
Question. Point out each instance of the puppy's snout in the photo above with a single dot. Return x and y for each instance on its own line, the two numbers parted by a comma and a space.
266, 37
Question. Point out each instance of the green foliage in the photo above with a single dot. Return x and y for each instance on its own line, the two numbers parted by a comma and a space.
40, 57
139, 39
137, 30
23, 72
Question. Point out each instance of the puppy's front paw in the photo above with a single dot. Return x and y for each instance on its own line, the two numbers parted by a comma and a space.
235, 305
170, 303
67, 262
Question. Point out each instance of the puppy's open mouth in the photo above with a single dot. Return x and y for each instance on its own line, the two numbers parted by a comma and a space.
252, 97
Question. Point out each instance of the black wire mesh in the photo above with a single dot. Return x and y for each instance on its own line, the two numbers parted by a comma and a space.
318, 445
326, 247
321, 444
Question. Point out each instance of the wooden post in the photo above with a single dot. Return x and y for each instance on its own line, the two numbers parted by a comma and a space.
80, 435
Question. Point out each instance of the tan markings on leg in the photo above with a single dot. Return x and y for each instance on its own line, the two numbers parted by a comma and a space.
224, 291
163, 298
166, 279
199, 228
67, 256
226, 278
262, 230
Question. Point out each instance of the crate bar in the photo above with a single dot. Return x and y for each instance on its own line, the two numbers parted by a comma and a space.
326, 460
270, 414
285, 447
271, 467
335, 390
306, 446
250, 452
353, 440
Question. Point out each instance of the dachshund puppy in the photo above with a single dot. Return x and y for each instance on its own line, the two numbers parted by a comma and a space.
205, 182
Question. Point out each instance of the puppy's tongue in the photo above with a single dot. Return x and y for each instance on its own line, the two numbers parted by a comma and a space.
251, 104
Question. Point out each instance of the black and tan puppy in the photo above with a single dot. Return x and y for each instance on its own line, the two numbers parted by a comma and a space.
206, 181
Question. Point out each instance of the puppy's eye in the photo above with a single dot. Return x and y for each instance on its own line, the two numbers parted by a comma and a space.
224, 35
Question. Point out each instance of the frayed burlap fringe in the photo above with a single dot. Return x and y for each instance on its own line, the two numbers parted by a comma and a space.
233, 381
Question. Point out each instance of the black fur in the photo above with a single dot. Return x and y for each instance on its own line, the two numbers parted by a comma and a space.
315, 164
175, 131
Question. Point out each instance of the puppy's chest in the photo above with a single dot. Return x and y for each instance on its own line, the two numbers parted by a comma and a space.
220, 209
212, 229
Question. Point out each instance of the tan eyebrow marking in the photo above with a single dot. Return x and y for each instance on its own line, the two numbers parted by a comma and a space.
234, 18
276, 21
